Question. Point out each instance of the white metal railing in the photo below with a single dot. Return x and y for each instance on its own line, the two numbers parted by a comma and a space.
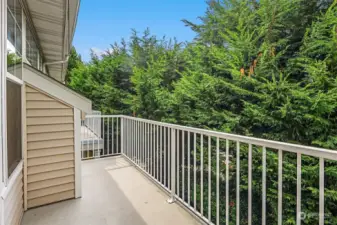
212, 173
94, 124
100, 136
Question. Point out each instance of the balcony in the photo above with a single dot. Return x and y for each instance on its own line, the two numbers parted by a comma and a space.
114, 192
137, 171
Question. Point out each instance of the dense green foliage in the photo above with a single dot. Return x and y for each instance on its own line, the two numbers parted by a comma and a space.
263, 68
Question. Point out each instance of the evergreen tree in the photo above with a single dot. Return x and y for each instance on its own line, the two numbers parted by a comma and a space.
74, 62
264, 68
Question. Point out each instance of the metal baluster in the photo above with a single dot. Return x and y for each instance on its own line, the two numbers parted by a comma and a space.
195, 170
298, 189
209, 177
81, 133
161, 154
189, 168
173, 167
137, 142
117, 135
321, 191
148, 148
157, 136
131, 139
122, 135
217, 182
93, 137
264, 189
108, 136
112, 136
227, 182
250, 184
126, 136
151, 149
237, 183
183, 166
98, 138
86, 144
165, 152
134, 140
169, 156
280, 162
142, 144
102, 128
154, 150
202, 174
178, 180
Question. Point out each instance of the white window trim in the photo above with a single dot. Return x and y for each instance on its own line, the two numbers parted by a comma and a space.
14, 79
12, 179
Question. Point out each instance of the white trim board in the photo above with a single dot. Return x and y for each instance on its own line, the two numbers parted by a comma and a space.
12, 179
55, 89
78, 159
14, 79
3, 71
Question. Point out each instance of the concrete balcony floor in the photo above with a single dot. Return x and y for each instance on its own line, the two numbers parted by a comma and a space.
113, 193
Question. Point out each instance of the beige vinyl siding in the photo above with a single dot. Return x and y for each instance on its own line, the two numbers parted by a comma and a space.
50, 128
14, 202
50, 136
50, 182
51, 198
50, 149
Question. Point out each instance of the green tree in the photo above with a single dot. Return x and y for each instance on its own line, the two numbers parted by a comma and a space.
258, 68
74, 62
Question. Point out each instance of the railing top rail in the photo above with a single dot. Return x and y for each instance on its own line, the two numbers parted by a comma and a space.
295, 148
104, 116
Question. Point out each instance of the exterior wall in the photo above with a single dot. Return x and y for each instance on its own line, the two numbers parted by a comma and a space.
13, 201
50, 149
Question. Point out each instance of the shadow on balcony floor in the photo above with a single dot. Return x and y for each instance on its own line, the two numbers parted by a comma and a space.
114, 193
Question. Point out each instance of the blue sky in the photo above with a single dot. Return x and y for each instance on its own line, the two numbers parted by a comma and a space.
102, 22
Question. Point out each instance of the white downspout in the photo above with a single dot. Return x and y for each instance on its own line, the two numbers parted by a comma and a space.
56, 62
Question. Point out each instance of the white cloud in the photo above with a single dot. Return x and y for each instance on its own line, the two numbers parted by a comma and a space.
97, 51
100, 52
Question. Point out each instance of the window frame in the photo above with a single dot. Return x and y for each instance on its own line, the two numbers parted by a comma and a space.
18, 25
29, 28
9, 179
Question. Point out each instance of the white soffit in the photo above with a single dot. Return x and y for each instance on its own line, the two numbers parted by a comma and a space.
54, 35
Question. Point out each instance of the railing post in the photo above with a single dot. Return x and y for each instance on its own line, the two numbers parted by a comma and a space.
122, 135
173, 166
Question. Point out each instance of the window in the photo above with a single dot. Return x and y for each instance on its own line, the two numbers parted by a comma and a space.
32, 52
14, 38
14, 124
13, 94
